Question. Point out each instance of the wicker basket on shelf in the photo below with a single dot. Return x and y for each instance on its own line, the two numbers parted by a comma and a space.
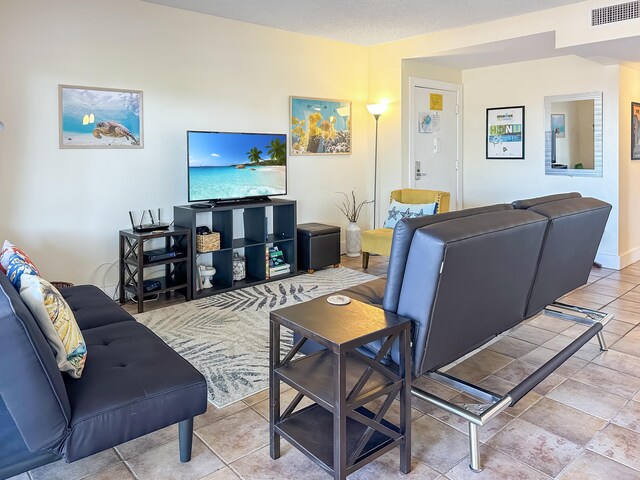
209, 242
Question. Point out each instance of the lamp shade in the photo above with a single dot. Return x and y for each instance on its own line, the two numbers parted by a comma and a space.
377, 108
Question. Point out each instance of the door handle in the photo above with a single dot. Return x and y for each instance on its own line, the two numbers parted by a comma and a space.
418, 173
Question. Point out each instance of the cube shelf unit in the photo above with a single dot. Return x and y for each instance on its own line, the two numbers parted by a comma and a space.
265, 224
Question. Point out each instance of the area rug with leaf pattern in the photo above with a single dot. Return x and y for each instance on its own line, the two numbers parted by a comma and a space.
226, 336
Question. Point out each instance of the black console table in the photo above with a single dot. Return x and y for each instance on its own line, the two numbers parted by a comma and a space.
177, 269
339, 432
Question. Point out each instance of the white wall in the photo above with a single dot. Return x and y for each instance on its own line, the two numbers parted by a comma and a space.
629, 170
65, 207
527, 83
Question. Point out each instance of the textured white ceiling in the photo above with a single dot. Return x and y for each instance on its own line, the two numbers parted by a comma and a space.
364, 22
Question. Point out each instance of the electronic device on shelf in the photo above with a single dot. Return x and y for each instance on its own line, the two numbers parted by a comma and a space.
151, 285
160, 254
225, 167
148, 227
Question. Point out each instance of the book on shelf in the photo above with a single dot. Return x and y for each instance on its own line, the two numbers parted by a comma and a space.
266, 255
276, 257
280, 269
278, 274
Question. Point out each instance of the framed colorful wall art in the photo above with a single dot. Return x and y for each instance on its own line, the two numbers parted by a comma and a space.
319, 126
92, 117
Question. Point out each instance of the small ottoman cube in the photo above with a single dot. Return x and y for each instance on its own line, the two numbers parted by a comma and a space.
318, 246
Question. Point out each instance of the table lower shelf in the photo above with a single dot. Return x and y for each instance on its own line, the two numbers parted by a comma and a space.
311, 431
313, 376
167, 284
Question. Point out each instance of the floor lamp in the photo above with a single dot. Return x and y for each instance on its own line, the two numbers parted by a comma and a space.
376, 109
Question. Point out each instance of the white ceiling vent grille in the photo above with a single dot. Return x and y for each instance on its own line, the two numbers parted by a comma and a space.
615, 13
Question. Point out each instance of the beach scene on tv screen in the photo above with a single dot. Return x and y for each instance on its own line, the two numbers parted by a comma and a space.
236, 165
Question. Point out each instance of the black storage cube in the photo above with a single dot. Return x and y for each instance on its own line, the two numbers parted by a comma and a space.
318, 246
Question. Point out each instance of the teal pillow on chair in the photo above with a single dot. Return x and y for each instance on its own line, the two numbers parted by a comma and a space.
398, 211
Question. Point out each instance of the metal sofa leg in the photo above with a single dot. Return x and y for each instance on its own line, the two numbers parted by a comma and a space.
185, 433
474, 448
365, 260
603, 344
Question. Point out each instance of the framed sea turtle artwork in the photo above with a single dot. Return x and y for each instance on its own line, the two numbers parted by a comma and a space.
319, 126
92, 117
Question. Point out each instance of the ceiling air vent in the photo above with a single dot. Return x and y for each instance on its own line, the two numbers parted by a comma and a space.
615, 13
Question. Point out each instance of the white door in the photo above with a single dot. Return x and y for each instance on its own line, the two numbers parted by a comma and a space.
435, 127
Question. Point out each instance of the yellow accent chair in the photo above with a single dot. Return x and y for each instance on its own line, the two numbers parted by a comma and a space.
378, 241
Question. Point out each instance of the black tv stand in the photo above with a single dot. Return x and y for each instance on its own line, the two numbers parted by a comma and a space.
249, 228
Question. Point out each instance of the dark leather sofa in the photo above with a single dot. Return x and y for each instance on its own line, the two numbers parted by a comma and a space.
133, 384
465, 277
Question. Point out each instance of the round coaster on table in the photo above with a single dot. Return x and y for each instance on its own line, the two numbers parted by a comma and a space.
339, 300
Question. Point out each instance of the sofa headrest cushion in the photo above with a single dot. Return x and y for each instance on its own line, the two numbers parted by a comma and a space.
532, 202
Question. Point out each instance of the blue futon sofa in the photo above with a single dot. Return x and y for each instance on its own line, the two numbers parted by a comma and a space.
133, 383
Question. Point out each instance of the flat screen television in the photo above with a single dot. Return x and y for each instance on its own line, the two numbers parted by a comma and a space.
225, 166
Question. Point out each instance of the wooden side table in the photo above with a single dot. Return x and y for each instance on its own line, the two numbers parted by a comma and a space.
339, 432
177, 270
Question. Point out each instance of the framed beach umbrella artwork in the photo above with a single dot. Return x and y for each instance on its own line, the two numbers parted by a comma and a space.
92, 117
319, 126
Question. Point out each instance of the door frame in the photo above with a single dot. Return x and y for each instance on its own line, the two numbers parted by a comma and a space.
412, 113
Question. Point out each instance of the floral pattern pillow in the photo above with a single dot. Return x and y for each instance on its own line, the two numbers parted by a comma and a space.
57, 322
14, 263
18, 267
8, 251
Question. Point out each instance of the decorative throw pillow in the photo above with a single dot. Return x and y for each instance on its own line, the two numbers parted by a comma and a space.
18, 267
57, 322
398, 211
14, 262
8, 251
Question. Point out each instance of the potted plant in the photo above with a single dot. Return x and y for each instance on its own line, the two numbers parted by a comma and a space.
351, 209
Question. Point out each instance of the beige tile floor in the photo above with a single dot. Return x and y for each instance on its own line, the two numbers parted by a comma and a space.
583, 422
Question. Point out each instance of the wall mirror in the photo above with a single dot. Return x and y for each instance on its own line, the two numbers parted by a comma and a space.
573, 134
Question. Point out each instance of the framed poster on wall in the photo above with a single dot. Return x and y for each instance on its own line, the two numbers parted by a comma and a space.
95, 117
319, 126
558, 125
505, 133
635, 131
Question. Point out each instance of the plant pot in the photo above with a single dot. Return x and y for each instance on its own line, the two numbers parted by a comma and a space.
354, 240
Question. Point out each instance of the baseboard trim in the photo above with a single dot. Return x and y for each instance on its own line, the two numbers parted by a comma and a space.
632, 256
